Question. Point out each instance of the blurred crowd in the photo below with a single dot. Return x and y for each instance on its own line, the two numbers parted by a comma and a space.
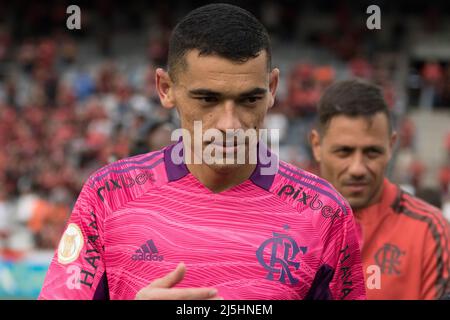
63, 117
58, 124
429, 84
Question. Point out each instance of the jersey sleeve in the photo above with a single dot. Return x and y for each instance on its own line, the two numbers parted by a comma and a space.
77, 270
348, 279
436, 262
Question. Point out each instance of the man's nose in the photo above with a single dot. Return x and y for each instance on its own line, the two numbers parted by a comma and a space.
228, 117
357, 166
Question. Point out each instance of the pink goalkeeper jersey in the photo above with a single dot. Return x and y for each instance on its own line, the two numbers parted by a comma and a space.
289, 235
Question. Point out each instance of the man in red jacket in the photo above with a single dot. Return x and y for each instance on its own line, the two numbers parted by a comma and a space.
404, 239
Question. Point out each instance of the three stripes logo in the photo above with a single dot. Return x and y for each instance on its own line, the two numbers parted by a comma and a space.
147, 252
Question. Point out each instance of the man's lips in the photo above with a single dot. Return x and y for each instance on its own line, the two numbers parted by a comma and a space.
356, 186
227, 148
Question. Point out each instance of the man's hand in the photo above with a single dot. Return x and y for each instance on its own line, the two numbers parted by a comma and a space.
161, 289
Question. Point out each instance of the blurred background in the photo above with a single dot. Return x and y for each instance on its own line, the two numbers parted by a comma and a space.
72, 101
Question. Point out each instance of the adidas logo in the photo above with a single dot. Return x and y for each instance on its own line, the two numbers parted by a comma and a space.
147, 252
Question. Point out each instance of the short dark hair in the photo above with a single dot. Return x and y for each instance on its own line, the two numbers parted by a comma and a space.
222, 29
351, 98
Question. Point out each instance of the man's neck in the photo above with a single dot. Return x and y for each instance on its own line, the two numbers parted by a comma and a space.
375, 200
218, 180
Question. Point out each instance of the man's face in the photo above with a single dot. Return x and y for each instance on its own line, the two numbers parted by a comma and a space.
353, 153
222, 94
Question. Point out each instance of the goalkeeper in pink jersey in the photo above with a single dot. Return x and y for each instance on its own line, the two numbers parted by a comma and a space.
171, 224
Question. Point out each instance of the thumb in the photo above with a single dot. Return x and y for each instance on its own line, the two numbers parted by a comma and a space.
171, 279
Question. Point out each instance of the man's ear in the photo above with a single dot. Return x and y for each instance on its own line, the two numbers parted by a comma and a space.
392, 142
273, 85
164, 85
314, 139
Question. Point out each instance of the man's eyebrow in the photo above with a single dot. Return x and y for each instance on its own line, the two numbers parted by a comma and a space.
211, 93
342, 146
349, 147
254, 92
203, 92
374, 147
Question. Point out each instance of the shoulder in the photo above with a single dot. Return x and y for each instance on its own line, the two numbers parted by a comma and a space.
306, 191
420, 212
127, 178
